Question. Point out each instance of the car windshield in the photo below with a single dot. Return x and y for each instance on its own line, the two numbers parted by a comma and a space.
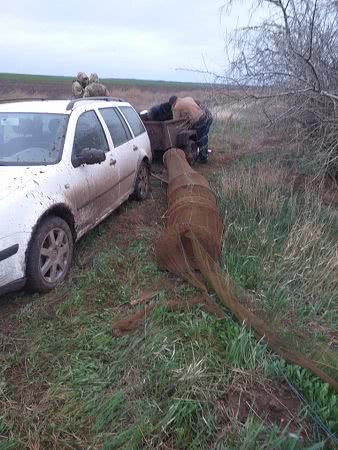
31, 138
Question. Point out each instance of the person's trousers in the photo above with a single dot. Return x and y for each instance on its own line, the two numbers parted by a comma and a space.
202, 127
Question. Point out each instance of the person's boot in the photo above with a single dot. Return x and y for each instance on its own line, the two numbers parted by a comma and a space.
202, 159
203, 156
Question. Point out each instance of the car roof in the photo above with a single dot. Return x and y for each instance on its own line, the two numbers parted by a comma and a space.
56, 106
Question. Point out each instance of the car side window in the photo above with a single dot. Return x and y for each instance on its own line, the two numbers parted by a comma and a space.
118, 129
89, 134
133, 120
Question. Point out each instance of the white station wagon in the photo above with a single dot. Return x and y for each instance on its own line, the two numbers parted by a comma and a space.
64, 167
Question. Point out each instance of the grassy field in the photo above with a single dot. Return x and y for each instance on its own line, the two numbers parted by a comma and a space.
154, 84
182, 380
141, 93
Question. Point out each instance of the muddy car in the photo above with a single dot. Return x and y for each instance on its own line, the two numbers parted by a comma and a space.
64, 167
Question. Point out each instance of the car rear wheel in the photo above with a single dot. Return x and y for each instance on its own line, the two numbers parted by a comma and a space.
50, 254
142, 185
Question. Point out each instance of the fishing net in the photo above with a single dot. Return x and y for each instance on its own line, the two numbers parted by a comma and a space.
191, 246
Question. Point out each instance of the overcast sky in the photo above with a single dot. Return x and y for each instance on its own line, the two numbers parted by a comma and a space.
147, 39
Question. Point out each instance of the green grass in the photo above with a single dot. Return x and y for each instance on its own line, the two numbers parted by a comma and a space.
234, 135
295, 160
116, 81
280, 244
162, 385
66, 382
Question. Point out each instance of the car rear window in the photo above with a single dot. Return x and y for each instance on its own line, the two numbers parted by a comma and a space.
31, 138
117, 128
133, 120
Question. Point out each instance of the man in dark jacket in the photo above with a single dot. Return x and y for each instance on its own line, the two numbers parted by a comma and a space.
161, 112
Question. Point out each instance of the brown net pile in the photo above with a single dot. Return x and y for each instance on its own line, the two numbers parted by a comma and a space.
191, 208
190, 247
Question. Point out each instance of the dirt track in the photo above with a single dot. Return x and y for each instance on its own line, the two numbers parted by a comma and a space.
127, 223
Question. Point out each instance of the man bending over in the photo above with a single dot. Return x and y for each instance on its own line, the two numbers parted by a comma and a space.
198, 118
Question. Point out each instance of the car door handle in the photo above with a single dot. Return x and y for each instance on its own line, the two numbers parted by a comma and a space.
135, 147
112, 162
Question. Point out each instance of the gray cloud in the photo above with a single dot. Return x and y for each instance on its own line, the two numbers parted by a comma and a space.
125, 39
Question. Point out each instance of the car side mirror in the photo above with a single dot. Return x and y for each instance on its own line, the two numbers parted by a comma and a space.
89, 156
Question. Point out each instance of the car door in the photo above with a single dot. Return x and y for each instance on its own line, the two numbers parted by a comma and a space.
140, 141
102, 193
127, 153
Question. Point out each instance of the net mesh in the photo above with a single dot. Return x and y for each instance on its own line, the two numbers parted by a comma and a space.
191, 246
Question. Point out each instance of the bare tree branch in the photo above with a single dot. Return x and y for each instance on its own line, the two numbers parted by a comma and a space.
291, 55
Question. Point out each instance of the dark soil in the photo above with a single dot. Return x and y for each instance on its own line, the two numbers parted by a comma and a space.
276, 405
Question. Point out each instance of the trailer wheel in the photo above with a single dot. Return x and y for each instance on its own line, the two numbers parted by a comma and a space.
191, 152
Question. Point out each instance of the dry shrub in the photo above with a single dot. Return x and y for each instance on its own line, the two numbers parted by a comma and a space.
143, 98
289, 234
259, 186
309, 263
286, 59
21, 93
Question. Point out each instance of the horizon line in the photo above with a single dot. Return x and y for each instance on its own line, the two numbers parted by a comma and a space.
67, 77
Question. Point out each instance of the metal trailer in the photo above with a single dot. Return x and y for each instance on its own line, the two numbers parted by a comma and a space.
171, 133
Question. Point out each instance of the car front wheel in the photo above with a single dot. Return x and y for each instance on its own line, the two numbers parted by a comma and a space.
49, 255
142, 185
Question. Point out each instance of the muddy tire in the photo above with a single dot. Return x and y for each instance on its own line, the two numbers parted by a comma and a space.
191, 152
142, 184
50, 254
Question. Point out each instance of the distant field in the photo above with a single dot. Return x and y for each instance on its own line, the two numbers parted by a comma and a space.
141, 93
114, 81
